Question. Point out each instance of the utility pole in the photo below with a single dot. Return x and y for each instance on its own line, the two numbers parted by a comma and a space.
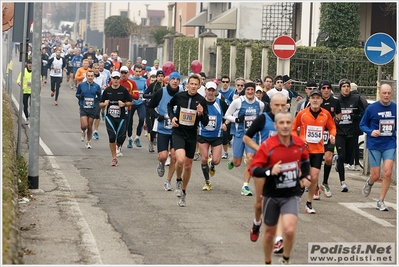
34, 132
9, 60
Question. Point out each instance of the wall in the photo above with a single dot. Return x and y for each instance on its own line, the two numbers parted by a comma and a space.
187, 11
249, 20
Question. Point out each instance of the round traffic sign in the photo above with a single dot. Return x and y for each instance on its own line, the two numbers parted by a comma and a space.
380, 48
284, 47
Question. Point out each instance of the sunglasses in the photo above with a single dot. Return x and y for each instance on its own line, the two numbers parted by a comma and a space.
311, 88
116, 78
279, 82
241, 85
225, 81
124, 72
325, 87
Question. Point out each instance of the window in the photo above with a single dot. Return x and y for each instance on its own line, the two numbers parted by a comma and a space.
124, 13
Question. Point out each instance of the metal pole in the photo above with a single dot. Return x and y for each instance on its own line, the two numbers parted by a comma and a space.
21, 95
282, 66
377, 97
87, 20
34, 133
75, 25
9, 62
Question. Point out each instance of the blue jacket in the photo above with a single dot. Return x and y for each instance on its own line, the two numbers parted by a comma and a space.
88, 94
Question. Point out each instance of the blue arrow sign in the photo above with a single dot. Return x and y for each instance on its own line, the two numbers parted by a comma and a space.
380, 48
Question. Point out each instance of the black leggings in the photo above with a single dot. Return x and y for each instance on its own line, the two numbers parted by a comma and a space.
149, 120
26, 98
116, 129
55, 86
345, 147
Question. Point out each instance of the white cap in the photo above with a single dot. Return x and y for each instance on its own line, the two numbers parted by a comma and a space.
124, 68
258, 88
153, 72
115, 74
209, 85
144, 62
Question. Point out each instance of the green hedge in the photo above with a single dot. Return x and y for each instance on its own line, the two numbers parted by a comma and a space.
185, 52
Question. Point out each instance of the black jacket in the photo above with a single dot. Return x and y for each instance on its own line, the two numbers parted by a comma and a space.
352, 109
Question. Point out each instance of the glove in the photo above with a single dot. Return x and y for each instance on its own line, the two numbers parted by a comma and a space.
240, 119
160, 118
156, 115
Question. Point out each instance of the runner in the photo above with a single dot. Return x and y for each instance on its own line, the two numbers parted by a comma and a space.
379, 123
191, 108
211, 135
115, 99
277, 163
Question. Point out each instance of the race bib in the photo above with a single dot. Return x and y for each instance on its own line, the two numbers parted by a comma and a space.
386, 127
114, 111
346, 116
211, 124
88, 102
187, 116
326, 136
248, 121
167, 123
141, 95
288, 176
314, 134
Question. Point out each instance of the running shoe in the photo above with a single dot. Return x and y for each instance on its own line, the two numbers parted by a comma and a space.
245, 158
381, 206
119, 151
151, 147
167, 163
161, 169
358, 168
230, 165
335, 162
245, 191
95, 135
344, 187
130, 143
182, 201
88, 146
212, 169
254, 233
326, 190
83, 136
309, 209
167, 186
55, 103
349, 167
179, 191
283, 262
316, 195
367, 188
137, 142
207, 186
114, 162
196, 156
278, 247
225, 155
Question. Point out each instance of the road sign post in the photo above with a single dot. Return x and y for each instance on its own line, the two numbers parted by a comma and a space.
284, 48
380, 49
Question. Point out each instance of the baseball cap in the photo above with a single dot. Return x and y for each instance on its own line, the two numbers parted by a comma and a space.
174, 75
311, 84
159, 72
215, 80
115, 74
202, 74
286, 78
258, 88
147, 68
124, 68
153, 73
138, 58
144, 62
315, 92
325, 83
211, 85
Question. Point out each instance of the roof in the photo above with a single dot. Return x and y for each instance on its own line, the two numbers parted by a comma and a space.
155, 13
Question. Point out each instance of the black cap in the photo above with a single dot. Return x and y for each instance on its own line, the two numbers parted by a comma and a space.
311, 84
160, 72
202, 74
324, 83
278, 77
257, 80
286, 78
315, 92
249, 84
343, 81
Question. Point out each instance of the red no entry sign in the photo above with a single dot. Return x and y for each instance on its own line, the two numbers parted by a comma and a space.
284, 47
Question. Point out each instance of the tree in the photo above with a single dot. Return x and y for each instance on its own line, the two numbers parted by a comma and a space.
341, 21
159, 33
118, 26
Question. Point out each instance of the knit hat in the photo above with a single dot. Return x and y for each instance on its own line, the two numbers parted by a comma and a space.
311, 84
202, 74
344, 81
147, 68
159, 72
249, 84
286, 79
325, 83
353, 86
174, 75
278, 78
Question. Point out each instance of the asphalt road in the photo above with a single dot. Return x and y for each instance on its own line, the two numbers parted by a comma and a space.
214, 227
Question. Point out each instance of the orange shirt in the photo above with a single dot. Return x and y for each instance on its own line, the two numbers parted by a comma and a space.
81, 74
312, 129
